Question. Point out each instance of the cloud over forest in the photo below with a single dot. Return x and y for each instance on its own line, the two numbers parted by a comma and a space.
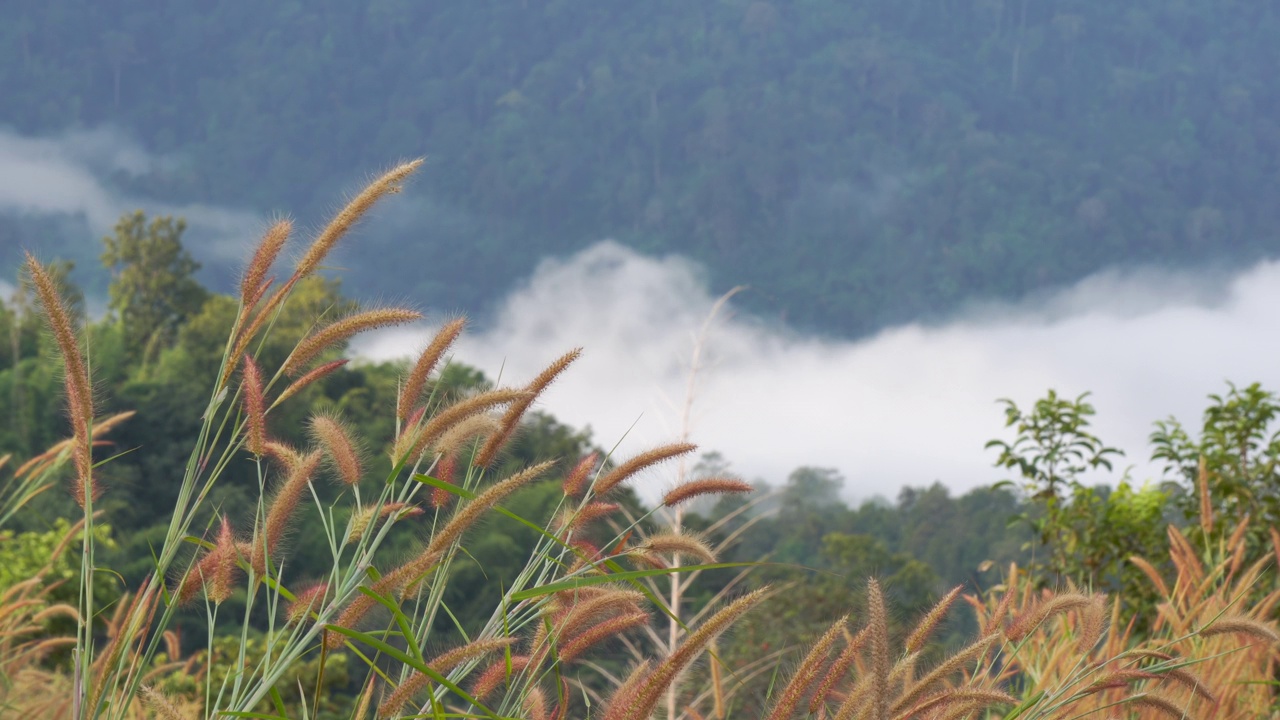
909, 406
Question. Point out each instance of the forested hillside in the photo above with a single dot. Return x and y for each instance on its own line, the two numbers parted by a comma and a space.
857, 163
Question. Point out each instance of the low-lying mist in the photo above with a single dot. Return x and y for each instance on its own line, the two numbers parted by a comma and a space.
909, 406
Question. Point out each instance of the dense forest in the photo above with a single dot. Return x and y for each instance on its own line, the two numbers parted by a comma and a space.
857, 164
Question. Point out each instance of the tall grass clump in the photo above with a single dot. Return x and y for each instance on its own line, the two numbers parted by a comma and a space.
580, 587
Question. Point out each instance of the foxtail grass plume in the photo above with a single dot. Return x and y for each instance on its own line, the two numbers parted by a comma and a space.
305, 602
445, 470
923, 629
253, 283
282, 508
636, 700
462, 436
386, 184
589, 513
413, 441
343, 452
640, 462
838, 669
75, 376
706, 486
1030, 620
442, 664
416, 380
1241, 625
342, 330
362, 520
878, 622
571, 648
576, 481
516, 410
319, 373
808, 672
255, 411
496, 674
673, 543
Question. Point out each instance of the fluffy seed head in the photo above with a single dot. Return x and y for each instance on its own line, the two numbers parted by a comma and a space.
320, 372
308, 599
264, 256
445, 470
925, 627
462, 435
517, 409
807, 673
1029, 621
342, 451
664, 543
387, 184
416, 380
1241, 625
412, 442
573, 648
442, 664
656, 682
706, 486
495, 674
342, 330
255, 411
76, 376
576, 481
644, 460
282, 507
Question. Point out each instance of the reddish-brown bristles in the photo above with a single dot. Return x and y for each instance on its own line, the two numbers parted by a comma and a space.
416, 380
414, 440
807, 673
341, 449
591, 512
216, 570
573, 647
319, 373
445, 470
576, 481
255, 276
306, 601
342, 330
281, 510
442, 664
255, 411
75, 375
1029, 621
672, 543
644, 460
495, 674
516, 410
706, 486
361, 521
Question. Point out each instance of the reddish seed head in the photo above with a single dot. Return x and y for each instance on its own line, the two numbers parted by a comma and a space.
576, 481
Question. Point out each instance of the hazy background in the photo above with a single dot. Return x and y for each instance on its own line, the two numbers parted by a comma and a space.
934, 206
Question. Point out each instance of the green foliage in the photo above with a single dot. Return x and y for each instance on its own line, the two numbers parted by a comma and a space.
906, 154
153, 288
1088, 533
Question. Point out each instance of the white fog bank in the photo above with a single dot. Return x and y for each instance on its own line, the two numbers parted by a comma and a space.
908, 406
